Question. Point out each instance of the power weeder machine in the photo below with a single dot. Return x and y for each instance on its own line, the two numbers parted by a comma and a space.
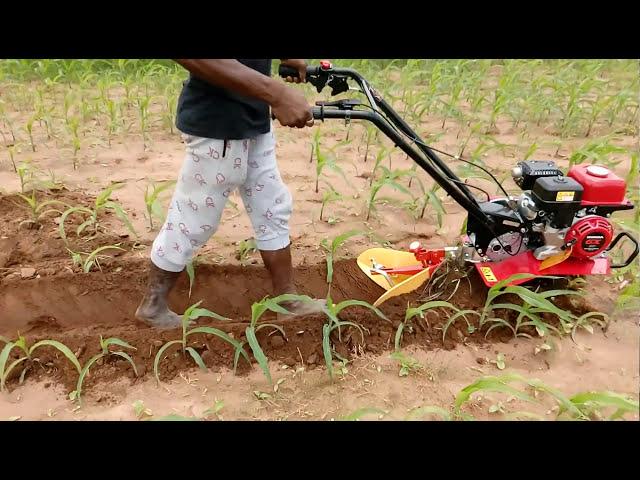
557, 226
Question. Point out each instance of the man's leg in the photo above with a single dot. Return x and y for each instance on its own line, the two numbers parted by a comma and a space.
269, 204
207, 178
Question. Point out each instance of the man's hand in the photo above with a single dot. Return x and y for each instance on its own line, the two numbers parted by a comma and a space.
298, 64
291, 109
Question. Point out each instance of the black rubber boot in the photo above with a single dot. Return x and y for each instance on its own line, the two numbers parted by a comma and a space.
154, 309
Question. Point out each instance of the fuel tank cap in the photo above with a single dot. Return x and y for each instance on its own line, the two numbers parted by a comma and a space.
597, 171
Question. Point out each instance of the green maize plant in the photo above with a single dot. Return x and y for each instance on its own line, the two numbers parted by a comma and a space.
326, 160
327, 350
45, 114
73, 124
382, 154
629, 297
419, 313
596, 151
7, 121
332, 248
489, 384
112, 109
143, 112
215, 410
189, 315
333, 310
169, 113
257, 310
389, 179
534, 304
597, 107
586, 320
37, 209
574, 92
315, 142
26, 176
369, 134
152, 200
429, 198
69, 100
105, 351
29, 129
245, 249
581, 406
11, 151
102, 203
474, 131
329, 196
141, 410
92, 259
451, 109
26, 356
407, 364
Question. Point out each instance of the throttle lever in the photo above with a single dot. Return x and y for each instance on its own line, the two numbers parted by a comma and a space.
344, 104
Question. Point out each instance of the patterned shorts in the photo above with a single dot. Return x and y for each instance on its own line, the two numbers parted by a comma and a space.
212, 170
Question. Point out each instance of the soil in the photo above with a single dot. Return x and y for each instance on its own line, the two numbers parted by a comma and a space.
44, 296
60, 302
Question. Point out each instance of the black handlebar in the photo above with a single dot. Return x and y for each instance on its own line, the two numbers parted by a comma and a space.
285, 71
390, 123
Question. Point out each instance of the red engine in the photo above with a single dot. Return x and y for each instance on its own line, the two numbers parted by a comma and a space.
601, 186
603, 189
589, 236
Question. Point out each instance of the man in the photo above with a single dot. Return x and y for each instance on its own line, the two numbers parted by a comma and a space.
224, 112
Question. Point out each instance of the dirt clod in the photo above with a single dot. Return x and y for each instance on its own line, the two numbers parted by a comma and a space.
27, 272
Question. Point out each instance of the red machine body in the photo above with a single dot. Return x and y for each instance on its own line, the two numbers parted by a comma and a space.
601, 186
493, 272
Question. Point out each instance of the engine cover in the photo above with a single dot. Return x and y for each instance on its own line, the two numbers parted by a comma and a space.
559, 197
590, 236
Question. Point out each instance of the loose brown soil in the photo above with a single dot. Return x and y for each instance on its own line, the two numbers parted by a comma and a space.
76, 308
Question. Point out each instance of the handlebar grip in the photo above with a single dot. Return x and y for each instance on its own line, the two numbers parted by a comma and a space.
285, 71
316, 112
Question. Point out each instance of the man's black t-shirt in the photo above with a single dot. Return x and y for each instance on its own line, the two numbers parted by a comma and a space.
208, 111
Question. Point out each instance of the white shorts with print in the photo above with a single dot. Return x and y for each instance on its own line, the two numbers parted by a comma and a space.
208, 177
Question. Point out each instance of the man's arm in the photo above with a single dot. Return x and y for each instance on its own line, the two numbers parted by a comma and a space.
288, 105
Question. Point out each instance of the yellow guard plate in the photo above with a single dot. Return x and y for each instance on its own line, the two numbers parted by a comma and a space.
556, 259
390, 258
